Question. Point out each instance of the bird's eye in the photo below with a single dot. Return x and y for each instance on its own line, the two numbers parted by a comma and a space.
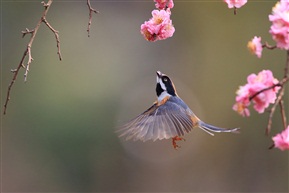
165, 79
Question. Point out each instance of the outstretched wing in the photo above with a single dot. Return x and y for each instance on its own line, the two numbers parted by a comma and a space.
158, 122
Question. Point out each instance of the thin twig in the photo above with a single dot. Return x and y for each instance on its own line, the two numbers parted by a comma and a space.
29, 62
281, 83
91, 10
266, 45
285, 79
279, 100
15, 71
272, 111
27, 51
283, 115
263, 90
286, 69
27, 31
56, 36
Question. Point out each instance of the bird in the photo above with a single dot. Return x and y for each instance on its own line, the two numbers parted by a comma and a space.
168, 118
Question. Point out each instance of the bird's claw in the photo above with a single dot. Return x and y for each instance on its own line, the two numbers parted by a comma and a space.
174, 141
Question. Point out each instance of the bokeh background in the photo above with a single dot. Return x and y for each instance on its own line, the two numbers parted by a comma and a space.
59, 131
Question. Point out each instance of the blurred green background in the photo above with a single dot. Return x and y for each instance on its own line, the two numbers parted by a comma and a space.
59, 131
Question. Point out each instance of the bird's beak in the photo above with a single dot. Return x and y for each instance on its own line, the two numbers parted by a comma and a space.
159, 74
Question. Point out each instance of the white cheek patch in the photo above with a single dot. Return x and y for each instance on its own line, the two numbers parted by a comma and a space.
164, 94
158, 79
163, 85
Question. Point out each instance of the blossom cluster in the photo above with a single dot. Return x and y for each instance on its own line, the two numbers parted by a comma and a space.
280, 24
256, 83
279, 30
160, 26
263, 88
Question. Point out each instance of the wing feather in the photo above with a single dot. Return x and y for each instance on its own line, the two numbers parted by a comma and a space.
163, 123
180, 123
176, 124
144, 128
185, 121
159, 122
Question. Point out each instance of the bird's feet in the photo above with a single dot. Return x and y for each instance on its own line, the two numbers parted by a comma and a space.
174, 141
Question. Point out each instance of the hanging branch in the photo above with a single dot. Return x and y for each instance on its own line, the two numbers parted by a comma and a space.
91, 10
27, 52
272, 111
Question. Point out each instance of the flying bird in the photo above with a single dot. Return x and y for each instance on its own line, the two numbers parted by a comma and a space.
168, 118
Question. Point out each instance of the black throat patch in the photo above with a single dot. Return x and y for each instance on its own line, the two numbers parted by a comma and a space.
159, 89
170, 89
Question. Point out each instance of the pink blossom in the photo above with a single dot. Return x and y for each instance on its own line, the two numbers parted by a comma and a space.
159, 27
235, 3
242, 108
256, 83
164, 4
242, 101
280, 24
281, 140
255, 46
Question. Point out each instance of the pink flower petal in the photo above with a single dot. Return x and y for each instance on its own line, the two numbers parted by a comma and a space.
164, 4
255, 46
235, 3
281, 140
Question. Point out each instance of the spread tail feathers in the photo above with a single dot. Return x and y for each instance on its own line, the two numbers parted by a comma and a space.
210, 128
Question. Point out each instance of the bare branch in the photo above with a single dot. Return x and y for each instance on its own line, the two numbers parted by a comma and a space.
56, 36
286, 70
91, 10
27, 51
272, 111
28, 63
283, 115
279, 99
15, 71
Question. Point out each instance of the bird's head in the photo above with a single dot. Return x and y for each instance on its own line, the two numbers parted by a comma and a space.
165, 87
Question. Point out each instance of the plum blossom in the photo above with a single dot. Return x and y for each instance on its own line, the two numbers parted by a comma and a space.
280, 24
255, 46
242, 101
281, 140
159, 27
256, 83
235, 3
164, 4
